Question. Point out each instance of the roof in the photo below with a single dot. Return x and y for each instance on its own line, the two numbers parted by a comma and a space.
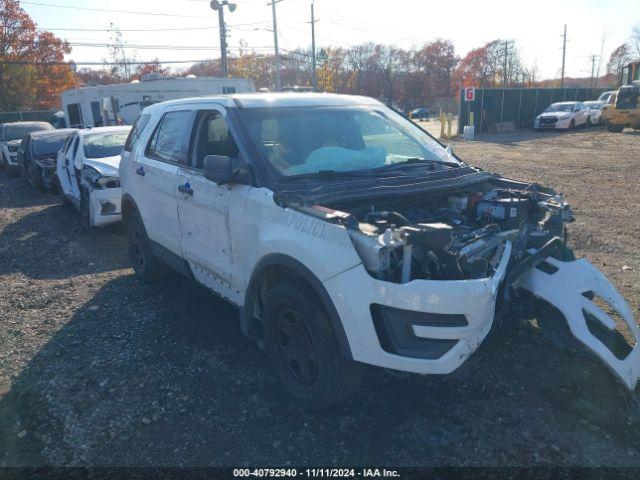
8, 124
267, 100
52, 133
119, 128
566, 103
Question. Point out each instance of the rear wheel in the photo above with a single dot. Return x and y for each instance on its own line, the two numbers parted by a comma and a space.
303, 348
146, 265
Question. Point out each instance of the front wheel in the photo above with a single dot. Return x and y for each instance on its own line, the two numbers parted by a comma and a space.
572, 125
300, 341
613, 127
85, 210
34, 173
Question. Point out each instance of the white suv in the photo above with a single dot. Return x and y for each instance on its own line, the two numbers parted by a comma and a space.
346, 234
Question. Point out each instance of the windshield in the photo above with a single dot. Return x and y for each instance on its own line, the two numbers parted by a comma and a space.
310, 140
102, 145
16, 132
560, 107
49, 144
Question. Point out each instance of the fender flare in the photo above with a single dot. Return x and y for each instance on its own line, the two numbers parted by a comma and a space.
128, 199
279, 259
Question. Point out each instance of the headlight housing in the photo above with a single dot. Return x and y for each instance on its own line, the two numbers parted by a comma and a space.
95, 178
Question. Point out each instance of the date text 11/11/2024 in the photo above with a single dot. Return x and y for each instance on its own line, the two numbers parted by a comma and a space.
316, 472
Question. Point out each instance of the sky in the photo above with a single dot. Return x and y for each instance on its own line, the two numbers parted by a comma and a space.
187, 29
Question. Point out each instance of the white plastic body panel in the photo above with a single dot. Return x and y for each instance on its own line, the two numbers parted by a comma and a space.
564, 290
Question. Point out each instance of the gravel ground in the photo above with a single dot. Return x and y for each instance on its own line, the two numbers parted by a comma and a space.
97, 369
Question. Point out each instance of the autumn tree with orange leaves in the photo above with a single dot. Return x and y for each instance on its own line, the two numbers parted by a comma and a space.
27, 78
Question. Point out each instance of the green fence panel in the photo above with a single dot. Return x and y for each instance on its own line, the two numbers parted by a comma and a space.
518, 105
26, 116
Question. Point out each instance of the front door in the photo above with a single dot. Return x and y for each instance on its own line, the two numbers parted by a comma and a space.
208, 211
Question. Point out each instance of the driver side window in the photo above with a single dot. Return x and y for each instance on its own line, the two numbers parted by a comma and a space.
213, 138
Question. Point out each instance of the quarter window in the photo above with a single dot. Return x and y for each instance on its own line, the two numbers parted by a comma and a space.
170, 142
136, 131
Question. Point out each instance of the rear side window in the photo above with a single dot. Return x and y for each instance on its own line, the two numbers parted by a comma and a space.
170, 141
136, 131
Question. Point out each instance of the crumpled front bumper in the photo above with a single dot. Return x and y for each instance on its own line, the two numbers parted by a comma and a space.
106, 206
571, 288
354, 293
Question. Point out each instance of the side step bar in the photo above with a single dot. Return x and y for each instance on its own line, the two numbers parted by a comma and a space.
569, 287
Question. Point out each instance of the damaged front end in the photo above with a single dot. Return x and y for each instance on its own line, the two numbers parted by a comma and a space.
500, 230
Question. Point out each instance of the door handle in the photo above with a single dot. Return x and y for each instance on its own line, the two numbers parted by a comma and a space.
140, 171
186, 189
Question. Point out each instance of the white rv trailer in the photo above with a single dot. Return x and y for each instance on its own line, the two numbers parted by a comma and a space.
120, 104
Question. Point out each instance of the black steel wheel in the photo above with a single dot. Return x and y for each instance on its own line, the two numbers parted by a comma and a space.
302, 346
294, 346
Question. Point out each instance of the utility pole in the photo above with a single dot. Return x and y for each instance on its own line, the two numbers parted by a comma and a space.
219, 7
275, 43
314, 73
593, 68
505, 64
564, 55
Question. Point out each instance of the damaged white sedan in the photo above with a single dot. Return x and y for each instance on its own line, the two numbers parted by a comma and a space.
346, 234
87, 172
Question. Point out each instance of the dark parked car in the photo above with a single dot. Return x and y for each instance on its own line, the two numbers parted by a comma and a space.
11, 134
421, 113
38, 154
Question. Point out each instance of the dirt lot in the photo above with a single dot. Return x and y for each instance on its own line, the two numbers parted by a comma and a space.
97, 369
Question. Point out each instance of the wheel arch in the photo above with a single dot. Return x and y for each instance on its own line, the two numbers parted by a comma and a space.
284, 266
128, 206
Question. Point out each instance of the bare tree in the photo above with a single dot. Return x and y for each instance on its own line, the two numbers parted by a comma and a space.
122, 69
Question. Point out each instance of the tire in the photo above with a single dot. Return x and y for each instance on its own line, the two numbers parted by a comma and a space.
61, 196
572, 125
612, 127
85, 210
35, 177
23, 172
147, 267
302, 346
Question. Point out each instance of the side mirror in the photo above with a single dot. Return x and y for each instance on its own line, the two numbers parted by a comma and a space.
223, 170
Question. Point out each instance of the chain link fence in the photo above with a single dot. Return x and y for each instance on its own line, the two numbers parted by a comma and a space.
518, 105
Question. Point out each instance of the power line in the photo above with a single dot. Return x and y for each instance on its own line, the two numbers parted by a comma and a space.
130, 12
128, 46
94, 63
181, 29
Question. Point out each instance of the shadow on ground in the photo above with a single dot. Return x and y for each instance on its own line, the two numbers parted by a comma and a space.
161, 375
50, 243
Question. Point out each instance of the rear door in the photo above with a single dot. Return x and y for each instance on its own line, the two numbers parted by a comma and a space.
156, 171
209, 212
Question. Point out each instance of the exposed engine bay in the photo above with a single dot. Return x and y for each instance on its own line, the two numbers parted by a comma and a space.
454, 236
464, 233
